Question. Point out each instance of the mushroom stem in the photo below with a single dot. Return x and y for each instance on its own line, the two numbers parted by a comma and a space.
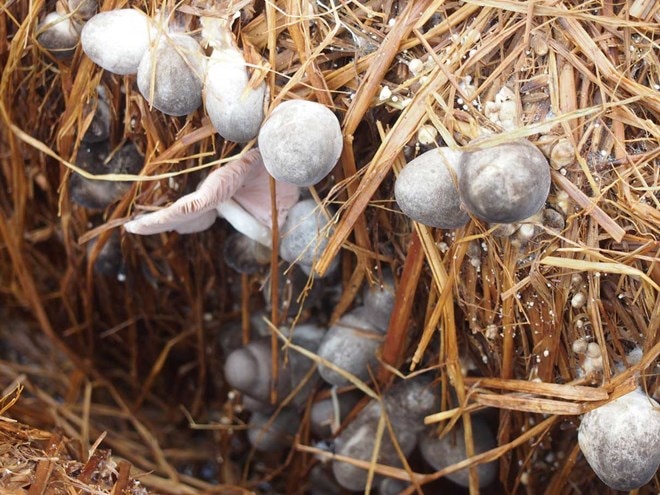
245, 223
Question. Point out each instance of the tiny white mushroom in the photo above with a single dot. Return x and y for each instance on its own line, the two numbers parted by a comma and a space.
426, 191
117, 40
621, 440
505, 183
301, 142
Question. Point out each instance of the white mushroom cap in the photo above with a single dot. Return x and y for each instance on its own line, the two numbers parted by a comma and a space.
426, 191
505, 183
175, 65
116, 40
300, 142
236, 110
621, 440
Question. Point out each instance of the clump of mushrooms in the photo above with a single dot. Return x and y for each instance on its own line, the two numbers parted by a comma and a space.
301, 142
406, 404
621, 440
505, 183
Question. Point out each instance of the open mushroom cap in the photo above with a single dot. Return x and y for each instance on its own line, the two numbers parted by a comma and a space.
300, 142
505, 183
116, 40
621, 440
175, 65
426, 189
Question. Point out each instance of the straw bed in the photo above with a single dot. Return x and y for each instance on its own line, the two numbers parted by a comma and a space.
115, 385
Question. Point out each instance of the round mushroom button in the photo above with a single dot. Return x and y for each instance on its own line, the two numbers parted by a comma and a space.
426, 191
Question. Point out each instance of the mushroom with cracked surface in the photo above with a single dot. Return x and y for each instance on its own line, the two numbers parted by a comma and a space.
426, 189
239, 191
301, 142
234, 103
621, 440
116, 40
505, 183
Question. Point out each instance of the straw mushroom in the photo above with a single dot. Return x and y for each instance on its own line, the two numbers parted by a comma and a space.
238, 191
169, 74
303, 240
117, 40
406, 404
99, 127
379, 300
505, 183
234, 104
351, 344
426, 191
248, 369
273, 434
97, 193
621, 440
301, 142
80, 10
450, 449
58, 34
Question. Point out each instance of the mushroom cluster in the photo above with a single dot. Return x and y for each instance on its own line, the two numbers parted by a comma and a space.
505, 183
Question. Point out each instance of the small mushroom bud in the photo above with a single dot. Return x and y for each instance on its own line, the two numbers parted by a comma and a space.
248, 369
58, 34
406, 404
273, 434
96, 193
426, 191
117, 40
562, 154
81, 10
350, 344
379, 300
304, 234
326, 415
169, 74
245, 255
234, 104
621, 440
505, 183
450, 449
300, 142
99, 128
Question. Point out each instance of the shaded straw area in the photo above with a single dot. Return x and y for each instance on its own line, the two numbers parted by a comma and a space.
120, 377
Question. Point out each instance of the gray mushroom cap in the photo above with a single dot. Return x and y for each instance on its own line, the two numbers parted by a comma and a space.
621, 440
426, 191
303, 240
505, 183
300, 142
58, 34
116, 40
450, 449
174, 64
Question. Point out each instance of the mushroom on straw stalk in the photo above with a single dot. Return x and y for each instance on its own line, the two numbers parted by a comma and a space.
238, 191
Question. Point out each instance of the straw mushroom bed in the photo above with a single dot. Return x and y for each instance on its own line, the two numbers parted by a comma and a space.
112, 345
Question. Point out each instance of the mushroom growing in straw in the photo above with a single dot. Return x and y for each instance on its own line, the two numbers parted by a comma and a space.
426, 191
238, 191
621, 440
234, 103
301, 142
